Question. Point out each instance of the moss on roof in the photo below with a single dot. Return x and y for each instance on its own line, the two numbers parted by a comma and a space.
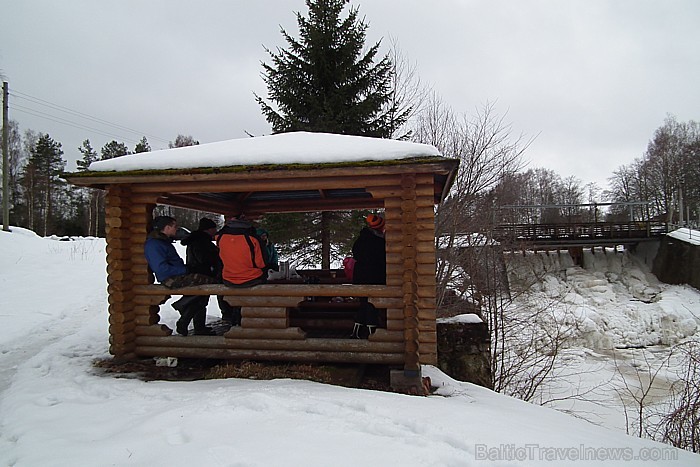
261, 168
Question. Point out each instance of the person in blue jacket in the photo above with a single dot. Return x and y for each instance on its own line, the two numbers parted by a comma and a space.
171, 271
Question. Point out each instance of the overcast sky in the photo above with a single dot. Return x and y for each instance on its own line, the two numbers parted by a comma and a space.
590, 79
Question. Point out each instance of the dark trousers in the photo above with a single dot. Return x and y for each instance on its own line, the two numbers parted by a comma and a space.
192, 308
229, 313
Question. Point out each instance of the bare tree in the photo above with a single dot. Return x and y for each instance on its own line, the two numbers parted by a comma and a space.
181, 141
655, 409
668, 169
487, 153
679, 425
471, 271
15, 160
623, 188
570, 194
637, 391
408, 93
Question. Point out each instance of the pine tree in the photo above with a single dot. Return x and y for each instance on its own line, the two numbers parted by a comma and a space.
114, 149
324, 82
89, 156
41, 179
142, 146
95, 213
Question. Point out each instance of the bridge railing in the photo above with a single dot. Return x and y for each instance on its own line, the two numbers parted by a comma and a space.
579, 231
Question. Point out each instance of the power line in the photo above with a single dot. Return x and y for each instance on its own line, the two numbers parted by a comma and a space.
60, 108
38, 113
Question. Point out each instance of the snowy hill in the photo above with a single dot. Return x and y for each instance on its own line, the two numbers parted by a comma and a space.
56, 409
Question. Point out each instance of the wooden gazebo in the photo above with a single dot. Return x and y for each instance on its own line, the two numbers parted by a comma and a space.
292, 172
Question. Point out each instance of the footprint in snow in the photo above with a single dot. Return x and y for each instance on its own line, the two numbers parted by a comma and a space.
176, 437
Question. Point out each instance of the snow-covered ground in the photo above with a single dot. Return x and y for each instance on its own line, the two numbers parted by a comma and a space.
56, 409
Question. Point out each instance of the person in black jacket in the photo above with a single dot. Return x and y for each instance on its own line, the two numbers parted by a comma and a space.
203, 257
369, 252
202, 254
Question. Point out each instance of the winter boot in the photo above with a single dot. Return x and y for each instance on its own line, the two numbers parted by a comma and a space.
362, 331
186, 316
204, 331
200, 318
181, 327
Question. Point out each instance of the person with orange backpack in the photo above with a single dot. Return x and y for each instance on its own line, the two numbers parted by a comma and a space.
242, 253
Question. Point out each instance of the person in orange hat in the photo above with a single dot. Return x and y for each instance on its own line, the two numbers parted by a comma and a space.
369, 251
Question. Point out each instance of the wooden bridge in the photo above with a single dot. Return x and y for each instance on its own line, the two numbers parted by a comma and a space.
578, 234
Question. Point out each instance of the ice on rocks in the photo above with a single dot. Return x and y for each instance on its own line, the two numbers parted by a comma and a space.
614, 300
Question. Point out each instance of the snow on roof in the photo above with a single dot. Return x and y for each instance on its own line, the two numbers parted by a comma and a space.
687, 235
283, 148
466, 318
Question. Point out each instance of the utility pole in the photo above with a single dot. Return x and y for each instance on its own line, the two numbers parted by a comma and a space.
5, 163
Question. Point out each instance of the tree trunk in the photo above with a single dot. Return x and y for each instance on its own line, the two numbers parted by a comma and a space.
325, 240
47, 204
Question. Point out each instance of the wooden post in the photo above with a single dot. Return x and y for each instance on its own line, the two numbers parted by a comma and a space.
411, 256
119, 276
425, 271
409, 227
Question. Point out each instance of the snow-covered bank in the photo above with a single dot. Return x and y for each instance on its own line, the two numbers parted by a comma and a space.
56, 409
690, 236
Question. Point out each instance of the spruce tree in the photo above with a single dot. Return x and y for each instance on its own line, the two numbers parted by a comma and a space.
325, 82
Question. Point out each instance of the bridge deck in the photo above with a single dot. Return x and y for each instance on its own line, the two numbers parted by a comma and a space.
579, 234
